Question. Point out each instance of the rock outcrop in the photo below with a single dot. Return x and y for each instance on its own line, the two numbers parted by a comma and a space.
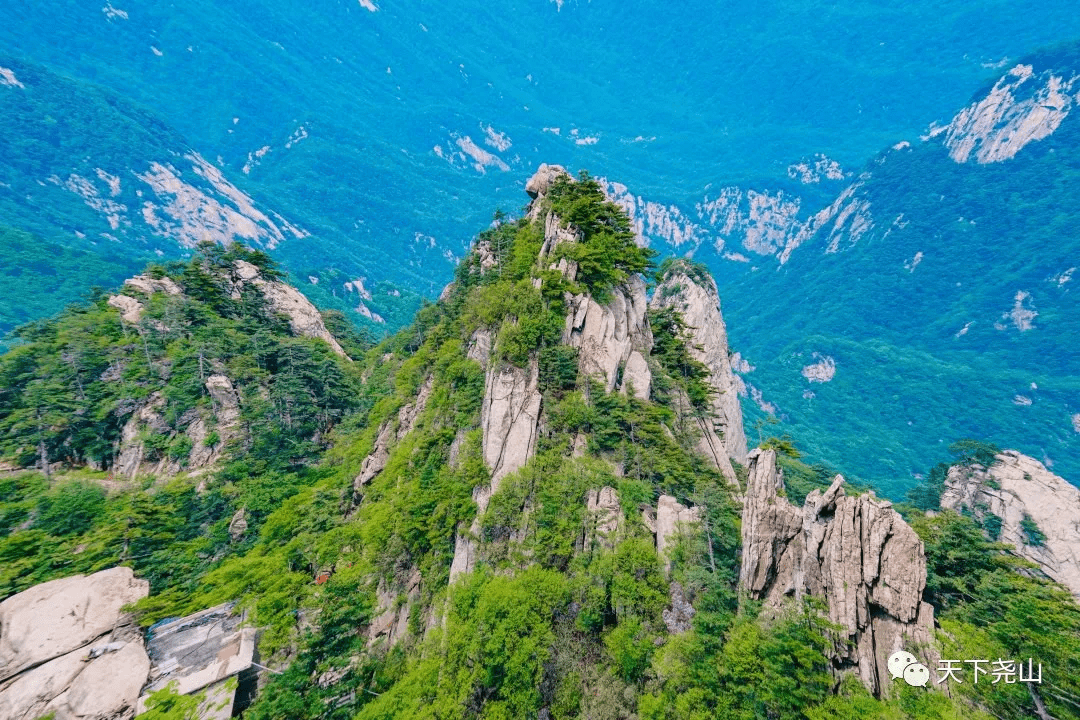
1023, 106
604, 516
607, 335
672, 517
392, 622
1037, 512
509, 419
149, 285
304, 318
856, 553
130, 308
391, 432
132, 458
695, 296
542, 180
67, 649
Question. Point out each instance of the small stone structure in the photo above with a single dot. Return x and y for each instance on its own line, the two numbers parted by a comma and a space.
201, 653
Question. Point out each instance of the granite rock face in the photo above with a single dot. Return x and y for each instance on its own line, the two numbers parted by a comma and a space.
607, 335
304, 318
605, 516
392, 622
856, 553
1018, 491
509, 419
695, 297
672, 517
1022, 107
391, 431
67, 648
132, 458
541, 181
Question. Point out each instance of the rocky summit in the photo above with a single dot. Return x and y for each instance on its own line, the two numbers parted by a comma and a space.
856, 553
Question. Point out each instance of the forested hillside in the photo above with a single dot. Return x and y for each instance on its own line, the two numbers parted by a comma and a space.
512, 508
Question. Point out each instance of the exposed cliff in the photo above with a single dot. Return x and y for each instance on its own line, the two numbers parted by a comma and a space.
693, 293
513, 518
1019, 502
856, 553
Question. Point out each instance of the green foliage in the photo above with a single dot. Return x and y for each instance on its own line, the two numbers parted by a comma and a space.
694, 270
1032, 534
990, 610
607, 254
70, 509
167, 704
670, 346
558, 369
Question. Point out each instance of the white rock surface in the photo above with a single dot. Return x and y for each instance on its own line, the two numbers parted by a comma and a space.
131, 459
604, 518
605, 335
637, 376
698, 301
67, 648
304, 318
509, 419
1021, 108
390, 432
150, 285
392, 622
672, 517
855, 552
542, 180
130, 308
1024, 489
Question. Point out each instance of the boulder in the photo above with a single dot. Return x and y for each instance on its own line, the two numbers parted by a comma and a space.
198, 653
68, 650
542, 180
150, 285
59, 616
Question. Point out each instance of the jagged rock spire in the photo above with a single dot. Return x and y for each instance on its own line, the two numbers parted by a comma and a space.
856, 553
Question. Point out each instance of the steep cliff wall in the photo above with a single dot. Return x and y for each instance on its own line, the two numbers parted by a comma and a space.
695, 296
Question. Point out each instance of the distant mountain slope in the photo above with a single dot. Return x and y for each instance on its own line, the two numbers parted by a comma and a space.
343, 115
110, 186
935, 299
